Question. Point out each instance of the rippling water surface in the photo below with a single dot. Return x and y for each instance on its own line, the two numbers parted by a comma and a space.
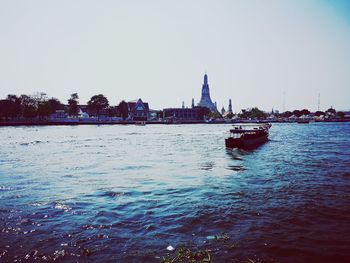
125, 193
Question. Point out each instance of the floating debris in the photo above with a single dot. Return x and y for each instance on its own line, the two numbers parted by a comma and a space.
222, 237
63, 207
184, 254
219, 237
86, 252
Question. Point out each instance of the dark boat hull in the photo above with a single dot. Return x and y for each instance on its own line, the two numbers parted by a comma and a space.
246, 143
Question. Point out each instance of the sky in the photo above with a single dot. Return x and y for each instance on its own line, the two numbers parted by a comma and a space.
158, 50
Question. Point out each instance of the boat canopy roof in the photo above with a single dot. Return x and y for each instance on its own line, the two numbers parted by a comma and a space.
250, 127
245, 130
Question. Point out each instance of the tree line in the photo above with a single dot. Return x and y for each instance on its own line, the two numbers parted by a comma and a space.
40, 106
255, 113
299, 113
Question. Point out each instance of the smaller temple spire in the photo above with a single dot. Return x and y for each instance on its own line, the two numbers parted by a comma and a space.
192, 103
229, 106
223, 111
183, 104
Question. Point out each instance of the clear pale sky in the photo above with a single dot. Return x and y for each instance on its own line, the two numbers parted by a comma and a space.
252, 51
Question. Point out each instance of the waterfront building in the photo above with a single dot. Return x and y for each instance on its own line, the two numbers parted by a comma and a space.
154, 115
82, 114
347, 115
183, 114
58, 114
138, 110
85, 112
205, 97
82, 108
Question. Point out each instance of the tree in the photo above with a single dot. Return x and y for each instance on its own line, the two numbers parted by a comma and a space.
215, 115
14, 105
258, 114
243, 114
29, 106
340, 114
55, 105
123, 109
112, 111
5, 109
73, 108
98, 103
305, 112
39, 97
229, 115
10, 107
297, 113
331, 111
253, 113
44, 109
319, 113
287, 114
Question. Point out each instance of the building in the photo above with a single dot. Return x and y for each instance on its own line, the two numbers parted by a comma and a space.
86, 112
58, 114
183, 114
138, 110
347, 115
84, 109
205, 98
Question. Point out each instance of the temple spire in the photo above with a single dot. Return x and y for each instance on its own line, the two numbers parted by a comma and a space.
223, 111
205, 98
230, 106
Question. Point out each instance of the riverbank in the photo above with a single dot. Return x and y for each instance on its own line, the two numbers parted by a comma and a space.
70, 123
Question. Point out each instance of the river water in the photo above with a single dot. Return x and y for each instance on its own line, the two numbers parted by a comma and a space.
115, 193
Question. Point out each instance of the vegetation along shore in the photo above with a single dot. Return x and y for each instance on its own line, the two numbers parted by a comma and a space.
39, 109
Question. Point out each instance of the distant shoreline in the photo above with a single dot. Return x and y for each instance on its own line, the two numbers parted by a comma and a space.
63, 123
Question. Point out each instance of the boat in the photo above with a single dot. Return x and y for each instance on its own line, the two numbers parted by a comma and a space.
247, 136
